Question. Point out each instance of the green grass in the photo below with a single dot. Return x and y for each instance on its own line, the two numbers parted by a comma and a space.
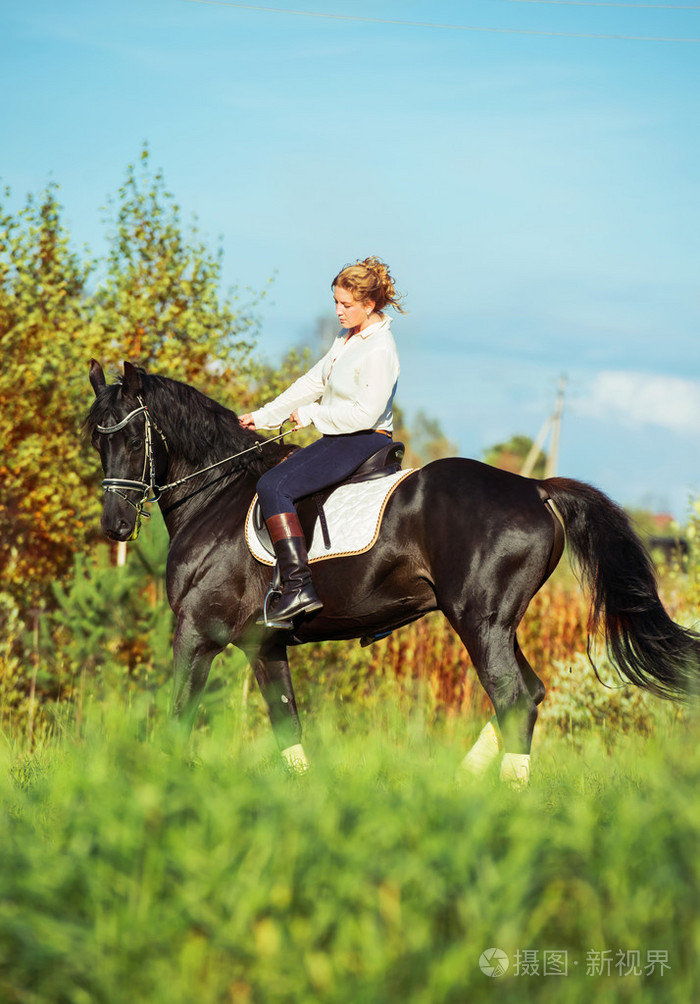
131, 876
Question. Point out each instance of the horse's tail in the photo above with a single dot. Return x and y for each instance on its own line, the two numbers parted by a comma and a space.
643, 643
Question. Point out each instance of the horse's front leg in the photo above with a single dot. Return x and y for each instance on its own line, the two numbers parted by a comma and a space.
271, 668
193, 654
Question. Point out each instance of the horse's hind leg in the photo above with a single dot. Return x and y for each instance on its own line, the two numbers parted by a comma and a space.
514, 692
489, 745
272, 672
530, 678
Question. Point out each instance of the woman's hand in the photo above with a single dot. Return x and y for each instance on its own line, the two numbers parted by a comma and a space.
294, 419
247, 421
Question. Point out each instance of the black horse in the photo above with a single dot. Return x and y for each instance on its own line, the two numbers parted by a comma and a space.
458, 536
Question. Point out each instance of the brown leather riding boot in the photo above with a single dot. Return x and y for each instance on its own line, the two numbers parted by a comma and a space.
298, 594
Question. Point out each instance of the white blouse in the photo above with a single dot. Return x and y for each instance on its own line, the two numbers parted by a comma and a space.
349, 390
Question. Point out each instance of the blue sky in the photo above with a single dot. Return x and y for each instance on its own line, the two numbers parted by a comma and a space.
536, 195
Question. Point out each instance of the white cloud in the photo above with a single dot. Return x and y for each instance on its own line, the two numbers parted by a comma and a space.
640, 399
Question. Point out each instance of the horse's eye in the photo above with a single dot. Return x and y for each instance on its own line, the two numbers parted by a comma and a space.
135, 444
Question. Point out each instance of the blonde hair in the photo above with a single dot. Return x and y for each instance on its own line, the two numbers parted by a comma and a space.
370, 279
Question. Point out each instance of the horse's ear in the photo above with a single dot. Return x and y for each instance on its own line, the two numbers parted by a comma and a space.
131, 384
97, 377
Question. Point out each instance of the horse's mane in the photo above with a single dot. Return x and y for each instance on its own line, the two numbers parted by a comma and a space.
197, 428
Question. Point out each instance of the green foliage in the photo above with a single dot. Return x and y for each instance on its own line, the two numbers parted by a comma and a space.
160, 305
423, 438
48, 501
115, 619
271, 381
577, 702
109, 626
16, 708
374, 878
428, 440
511, 455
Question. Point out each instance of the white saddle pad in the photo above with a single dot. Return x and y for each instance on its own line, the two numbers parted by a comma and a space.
353, 513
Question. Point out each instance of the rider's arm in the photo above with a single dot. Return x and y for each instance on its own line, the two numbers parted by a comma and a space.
308, 387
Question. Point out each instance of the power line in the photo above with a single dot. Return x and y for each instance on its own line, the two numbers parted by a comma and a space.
452, 27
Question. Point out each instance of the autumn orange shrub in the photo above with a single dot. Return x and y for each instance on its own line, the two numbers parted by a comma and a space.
428, 657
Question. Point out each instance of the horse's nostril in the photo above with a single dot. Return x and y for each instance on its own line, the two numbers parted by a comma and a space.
117, 528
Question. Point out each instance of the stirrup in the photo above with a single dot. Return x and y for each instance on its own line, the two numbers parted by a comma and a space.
272, 624
297, 601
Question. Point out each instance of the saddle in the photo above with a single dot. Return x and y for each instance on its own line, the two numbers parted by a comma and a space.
384, 462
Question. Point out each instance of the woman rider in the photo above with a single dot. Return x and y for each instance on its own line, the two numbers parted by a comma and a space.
348, 397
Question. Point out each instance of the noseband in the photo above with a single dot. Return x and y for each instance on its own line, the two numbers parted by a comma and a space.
151, 492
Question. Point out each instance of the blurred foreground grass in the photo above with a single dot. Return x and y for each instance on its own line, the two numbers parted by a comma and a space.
128, 876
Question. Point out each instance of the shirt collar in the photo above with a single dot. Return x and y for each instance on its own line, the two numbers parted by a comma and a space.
366, 332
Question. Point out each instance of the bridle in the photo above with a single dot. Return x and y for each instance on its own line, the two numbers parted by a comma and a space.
150, 490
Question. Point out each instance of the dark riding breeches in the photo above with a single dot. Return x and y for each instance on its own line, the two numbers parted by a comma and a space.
326, 462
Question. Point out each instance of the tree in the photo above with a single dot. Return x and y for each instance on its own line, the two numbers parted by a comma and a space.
423, 438
48, 498
111, 617
511, 455
161, 304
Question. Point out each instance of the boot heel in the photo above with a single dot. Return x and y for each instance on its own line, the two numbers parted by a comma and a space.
312, 606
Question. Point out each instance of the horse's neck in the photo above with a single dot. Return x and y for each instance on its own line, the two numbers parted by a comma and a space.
206, 486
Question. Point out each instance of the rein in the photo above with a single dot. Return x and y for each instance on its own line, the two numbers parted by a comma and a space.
152, 491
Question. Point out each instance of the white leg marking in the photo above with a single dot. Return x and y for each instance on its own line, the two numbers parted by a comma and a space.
295, 758
515, 769
483, 752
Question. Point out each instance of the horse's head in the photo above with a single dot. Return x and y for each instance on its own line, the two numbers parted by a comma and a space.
132, 457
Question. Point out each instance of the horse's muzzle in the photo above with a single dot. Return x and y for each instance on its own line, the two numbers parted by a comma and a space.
118, 519
119, 530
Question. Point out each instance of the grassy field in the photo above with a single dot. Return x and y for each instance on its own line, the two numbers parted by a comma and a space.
128, 875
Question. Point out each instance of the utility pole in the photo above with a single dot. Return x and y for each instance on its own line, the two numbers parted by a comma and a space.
552, 423
535, 449
553, 459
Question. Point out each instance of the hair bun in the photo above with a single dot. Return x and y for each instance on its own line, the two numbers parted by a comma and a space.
370, 279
